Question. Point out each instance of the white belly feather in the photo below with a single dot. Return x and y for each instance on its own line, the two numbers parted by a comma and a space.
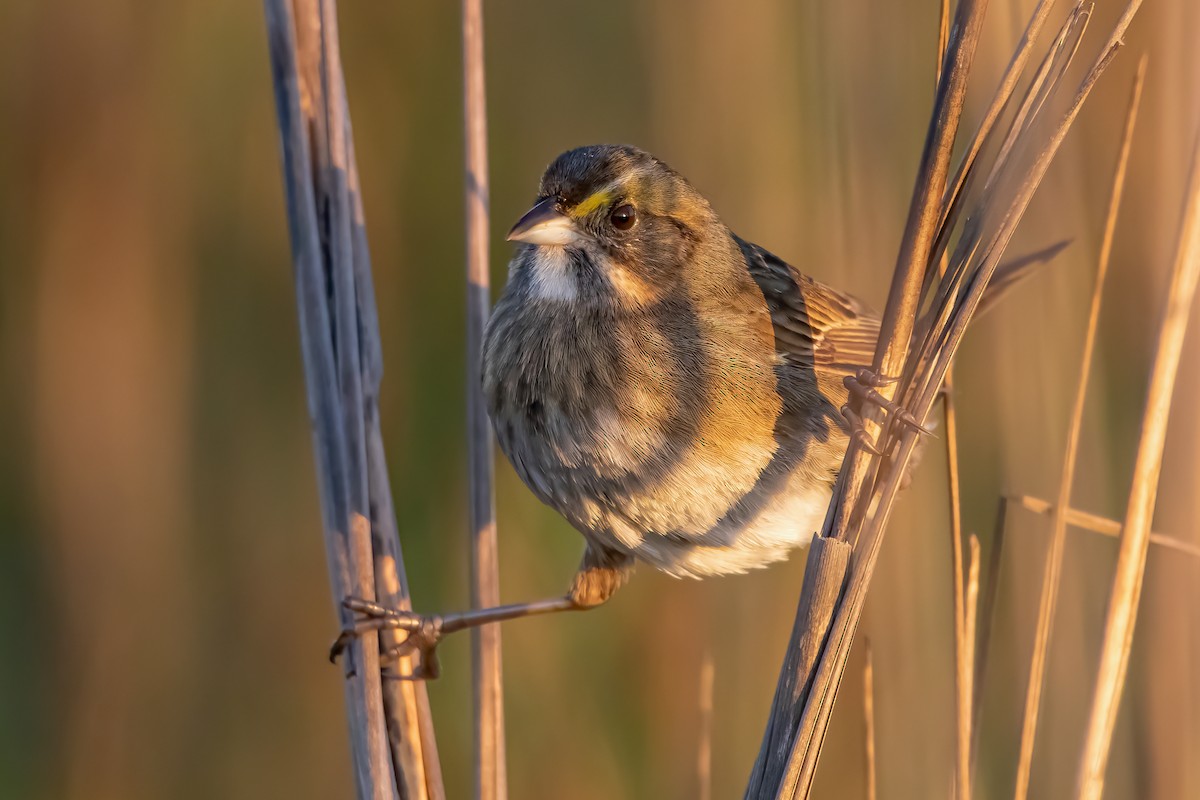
781, 527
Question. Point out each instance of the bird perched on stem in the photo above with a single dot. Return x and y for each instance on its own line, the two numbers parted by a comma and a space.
673, 390
669, 388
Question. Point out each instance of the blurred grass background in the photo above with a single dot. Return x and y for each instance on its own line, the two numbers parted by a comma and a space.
163, 598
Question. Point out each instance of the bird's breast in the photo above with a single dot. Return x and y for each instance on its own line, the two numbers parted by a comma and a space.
632, 425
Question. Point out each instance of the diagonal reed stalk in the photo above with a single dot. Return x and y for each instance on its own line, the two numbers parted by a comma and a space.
1102, 525
1126, 589
962, 663
867, 485
1052, 575
391, 730
487, 696
962, 750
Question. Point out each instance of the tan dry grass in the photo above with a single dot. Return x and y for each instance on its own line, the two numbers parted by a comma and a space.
1053, 568
1126, 592
862, 501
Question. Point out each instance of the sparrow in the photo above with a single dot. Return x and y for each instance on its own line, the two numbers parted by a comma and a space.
677, 393
671, 389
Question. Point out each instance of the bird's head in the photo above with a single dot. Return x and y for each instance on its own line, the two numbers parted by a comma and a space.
611, 217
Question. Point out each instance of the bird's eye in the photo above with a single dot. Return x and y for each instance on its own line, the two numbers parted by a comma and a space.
623, 217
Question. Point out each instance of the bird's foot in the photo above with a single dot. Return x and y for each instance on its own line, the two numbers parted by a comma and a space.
865, 387
421, 634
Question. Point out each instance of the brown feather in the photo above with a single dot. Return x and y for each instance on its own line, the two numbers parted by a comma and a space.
814, 323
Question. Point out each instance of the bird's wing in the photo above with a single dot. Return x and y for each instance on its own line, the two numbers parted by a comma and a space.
814, 323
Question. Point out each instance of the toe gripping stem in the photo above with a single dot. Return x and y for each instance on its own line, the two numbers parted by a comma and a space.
863, 387
423, 635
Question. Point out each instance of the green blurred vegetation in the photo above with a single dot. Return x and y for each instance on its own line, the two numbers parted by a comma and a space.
163, 597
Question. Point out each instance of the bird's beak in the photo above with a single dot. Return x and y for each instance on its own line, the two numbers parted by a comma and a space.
544, 224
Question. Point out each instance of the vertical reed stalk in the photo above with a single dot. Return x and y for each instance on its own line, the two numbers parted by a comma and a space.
1052, 574
390, 726
984, 618
704, 749
963, 667
487, 694
970, 637
1135, 535
869, 721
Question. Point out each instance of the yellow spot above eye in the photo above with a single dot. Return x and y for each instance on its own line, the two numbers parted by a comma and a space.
595, 201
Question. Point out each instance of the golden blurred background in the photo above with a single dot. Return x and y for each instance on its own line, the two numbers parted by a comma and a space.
164, 607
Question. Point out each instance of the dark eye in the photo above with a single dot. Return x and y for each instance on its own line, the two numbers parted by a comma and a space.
623, 217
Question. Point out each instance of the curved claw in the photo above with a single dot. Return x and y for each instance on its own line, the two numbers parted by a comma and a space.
858, 432
905, 417
868, 378
862, 386
357, 629
340, 644
865, 443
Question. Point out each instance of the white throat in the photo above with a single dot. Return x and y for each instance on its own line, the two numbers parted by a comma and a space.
551, 275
